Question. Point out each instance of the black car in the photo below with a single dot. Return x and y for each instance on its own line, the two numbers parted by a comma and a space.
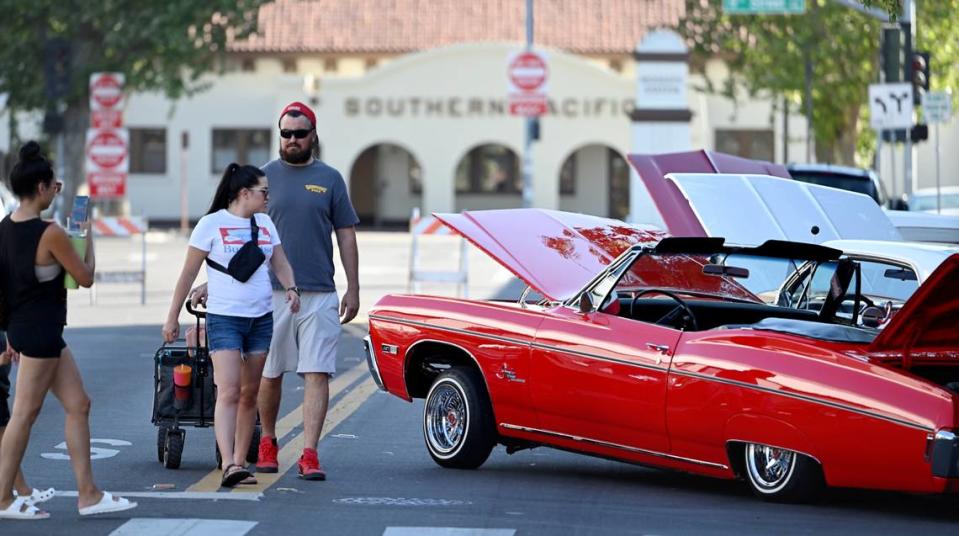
863, 181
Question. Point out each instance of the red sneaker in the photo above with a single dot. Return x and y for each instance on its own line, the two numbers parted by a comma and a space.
309, 466
266, 458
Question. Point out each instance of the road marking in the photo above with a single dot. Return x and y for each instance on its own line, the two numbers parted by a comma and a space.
291, 451
183, 527
211, 482
445, 531
400, 501
189, 495
96, 453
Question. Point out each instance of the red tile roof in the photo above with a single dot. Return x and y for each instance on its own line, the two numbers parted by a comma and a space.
378, 26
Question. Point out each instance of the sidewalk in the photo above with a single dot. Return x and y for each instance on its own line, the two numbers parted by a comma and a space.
384, 261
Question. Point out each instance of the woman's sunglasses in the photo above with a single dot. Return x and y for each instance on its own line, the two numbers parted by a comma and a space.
299, 133
265, 190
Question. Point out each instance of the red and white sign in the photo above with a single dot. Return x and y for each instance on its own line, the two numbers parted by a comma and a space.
107, 150
107, 162
527, 76
108, 143
106, 91
107, 184
103, 119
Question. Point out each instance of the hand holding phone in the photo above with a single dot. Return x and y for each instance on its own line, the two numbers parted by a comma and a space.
78, 217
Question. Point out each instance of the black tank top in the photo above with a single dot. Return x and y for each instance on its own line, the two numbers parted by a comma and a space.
28, 300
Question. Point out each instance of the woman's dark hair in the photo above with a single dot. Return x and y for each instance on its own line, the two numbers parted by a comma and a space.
235, 178
30, 170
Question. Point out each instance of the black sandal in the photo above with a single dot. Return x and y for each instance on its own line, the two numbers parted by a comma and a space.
232, 477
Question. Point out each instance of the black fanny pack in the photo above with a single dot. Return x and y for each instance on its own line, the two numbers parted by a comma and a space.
247, 260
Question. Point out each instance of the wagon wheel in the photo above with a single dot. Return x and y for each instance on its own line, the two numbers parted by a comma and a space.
173, 449
161, 442
253, 452
458, 420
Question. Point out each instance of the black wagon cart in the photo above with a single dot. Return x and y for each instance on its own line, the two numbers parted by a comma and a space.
186, 396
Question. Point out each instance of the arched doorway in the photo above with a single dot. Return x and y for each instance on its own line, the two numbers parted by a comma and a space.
488, 176
594, 179
386, 182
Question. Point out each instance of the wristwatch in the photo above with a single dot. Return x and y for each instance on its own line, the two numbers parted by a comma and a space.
294, 289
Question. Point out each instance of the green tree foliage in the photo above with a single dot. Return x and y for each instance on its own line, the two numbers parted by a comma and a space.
160, 46
767, 55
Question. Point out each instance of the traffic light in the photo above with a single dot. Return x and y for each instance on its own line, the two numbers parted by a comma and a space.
56, 68
919, 75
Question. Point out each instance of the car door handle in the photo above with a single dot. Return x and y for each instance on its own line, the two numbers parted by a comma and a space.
661, 348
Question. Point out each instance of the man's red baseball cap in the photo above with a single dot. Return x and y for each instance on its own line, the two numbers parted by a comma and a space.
297, 106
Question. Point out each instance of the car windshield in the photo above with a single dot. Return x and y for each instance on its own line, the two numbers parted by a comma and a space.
735, 277
928, 202
881, 282
859, 184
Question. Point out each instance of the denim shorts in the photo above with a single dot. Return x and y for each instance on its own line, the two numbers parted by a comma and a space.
248, 335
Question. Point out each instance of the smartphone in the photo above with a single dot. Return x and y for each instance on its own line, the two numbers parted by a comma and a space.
78, 216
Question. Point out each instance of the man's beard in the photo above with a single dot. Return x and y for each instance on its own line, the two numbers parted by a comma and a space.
299, 157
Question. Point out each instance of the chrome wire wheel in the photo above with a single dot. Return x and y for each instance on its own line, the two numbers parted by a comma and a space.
446, 418
769, 468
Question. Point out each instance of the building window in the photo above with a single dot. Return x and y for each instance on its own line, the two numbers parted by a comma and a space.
243, 146
567, 176
755, 144
616, 65
247, 65
371, 62
147, 150
330, 65
488, 169
289, 65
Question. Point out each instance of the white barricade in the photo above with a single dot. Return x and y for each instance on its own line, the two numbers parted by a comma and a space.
123, 227
421, 226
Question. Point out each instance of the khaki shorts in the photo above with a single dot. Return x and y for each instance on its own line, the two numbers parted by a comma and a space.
306, 341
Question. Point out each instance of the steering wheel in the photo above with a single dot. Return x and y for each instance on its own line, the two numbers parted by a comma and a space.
670, 317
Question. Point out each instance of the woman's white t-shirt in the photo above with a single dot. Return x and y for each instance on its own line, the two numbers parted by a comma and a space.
221, 235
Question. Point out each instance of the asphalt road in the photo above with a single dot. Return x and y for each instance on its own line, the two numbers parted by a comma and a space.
382, 481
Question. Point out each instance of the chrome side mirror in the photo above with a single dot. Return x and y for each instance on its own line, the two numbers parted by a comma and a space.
585, 303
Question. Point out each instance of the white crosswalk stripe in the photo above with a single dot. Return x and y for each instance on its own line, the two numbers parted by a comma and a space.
183, 527
445, 531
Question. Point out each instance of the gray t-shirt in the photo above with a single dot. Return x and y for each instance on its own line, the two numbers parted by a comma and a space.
307, 203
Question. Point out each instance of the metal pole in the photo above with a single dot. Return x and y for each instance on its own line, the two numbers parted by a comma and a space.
143, 266
528, 145
184, 183
61, 170
785, 129
938, 184
909, 28
892, 163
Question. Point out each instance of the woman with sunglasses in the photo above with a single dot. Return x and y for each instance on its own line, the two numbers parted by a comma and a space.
35, 255
239, 313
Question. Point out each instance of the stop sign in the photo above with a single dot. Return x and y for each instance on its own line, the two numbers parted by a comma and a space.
107, 150
527, 71
106, 90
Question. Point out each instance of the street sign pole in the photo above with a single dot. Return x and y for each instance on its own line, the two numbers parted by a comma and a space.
528, 145
938, 185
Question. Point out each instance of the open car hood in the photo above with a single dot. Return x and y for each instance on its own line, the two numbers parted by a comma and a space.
676, 213
556, 253
929, 321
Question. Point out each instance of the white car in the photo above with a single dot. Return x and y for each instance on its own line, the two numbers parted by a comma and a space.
8, 202
924, 200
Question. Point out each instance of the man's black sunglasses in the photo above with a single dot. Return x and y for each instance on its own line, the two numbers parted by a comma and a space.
299, 133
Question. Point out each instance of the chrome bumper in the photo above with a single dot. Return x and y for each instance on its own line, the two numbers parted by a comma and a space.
945, 454
371, 362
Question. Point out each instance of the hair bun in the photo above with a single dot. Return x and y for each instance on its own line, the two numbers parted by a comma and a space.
31, 151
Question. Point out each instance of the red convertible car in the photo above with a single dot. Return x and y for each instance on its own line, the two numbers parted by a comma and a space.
651, 350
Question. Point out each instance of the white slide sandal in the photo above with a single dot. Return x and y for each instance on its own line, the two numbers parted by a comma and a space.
107, 505
38, 496
21, 508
